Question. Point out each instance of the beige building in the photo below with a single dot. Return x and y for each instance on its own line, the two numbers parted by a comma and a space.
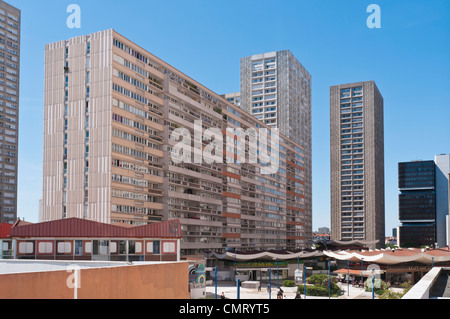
10, 21
357, 163
276, 89
112, 111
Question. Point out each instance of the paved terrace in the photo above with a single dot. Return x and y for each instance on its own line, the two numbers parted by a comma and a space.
230, 290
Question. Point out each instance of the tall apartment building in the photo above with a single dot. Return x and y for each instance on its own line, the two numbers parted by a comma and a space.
357, 163
112, 115
234, 98
276, 89
10, 21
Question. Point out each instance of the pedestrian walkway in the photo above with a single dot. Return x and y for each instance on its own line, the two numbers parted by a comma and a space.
230, 291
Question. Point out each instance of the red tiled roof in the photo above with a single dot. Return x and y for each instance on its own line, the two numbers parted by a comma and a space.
5, 230
78, 228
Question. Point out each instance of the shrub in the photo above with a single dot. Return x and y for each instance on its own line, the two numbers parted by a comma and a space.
389, 294
320, 290
321, 279
289, 283
380, 285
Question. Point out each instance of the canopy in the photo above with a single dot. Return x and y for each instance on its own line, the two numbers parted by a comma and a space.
267, 255
392, 257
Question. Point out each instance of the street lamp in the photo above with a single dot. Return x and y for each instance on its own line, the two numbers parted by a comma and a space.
270, 283
348, 277
362, 269
304, 278
329, 279
277, 274
373, 283
215, 280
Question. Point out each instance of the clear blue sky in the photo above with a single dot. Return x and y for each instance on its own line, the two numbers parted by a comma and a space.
408, 58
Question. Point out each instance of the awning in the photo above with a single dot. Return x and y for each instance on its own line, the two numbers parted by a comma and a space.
389, 257
262, 269
354, 272
267, 256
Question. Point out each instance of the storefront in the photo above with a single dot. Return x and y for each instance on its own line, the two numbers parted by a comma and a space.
393, 266
265, 266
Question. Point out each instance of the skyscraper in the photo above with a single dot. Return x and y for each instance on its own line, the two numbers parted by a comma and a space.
357, 163
276, 89
111, 113
424, 202
10, 21
417, 203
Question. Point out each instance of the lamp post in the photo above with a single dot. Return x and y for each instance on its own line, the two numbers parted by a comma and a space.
348, 277
432, 262
304, 278
278, 286
215, 280
270, 283
373, 283
362, 269
329, 279
238, 289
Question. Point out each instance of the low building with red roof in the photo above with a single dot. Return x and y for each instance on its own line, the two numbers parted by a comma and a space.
79, 239
5, 241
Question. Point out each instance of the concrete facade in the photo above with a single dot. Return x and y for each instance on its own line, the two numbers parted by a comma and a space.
10, 23
111, 110
357, 162
276, 89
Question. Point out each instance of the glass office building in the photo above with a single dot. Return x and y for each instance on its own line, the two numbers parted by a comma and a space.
417, 203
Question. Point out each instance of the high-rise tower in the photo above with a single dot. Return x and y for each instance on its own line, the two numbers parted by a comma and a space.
276, 89
357, 163
10, 20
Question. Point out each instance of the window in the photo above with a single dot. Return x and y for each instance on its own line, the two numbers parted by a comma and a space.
138, 247
131, 247
88, 247
101, 247
122, 247
64, 247
156, 247
150, 247
26, 248
169, 247
113, 247
45, 247
78, 247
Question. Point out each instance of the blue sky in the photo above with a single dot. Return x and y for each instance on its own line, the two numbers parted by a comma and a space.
408, 58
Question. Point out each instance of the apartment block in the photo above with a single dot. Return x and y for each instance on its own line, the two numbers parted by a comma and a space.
10, 22
112, 113
276, 89
233, 98
357, 163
